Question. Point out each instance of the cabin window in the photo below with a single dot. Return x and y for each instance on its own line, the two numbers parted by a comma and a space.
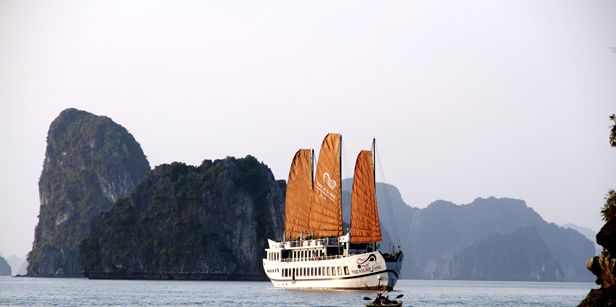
333, 271
346, 270
339, 271
320, 271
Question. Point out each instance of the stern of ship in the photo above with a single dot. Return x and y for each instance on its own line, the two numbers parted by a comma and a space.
393, 263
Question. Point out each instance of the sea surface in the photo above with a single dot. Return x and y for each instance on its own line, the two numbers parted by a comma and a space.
26, 291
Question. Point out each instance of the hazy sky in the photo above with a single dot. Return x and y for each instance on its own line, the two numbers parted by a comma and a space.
466, 98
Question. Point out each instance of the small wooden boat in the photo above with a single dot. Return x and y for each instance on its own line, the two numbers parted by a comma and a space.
382, 300
396, 304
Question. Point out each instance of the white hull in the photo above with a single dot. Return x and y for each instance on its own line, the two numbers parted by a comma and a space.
360, 271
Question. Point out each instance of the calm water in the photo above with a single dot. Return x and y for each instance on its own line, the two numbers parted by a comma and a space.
84, 292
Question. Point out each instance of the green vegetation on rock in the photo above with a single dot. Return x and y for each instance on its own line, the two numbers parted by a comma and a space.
603, 265
182, 221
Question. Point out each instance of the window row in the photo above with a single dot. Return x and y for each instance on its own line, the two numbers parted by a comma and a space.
315, 271
311, 253
273, 256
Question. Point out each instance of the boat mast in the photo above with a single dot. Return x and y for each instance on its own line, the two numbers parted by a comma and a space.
374, 175
340, 183
374, 161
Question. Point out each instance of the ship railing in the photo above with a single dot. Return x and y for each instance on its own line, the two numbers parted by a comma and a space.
313, 242
311, 258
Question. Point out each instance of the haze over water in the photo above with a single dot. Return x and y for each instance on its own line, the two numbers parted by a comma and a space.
80, 292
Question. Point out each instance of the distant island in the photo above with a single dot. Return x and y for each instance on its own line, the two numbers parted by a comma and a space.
5, 268
449, 241
105, 214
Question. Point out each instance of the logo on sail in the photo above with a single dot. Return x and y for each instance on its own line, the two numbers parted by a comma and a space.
330, 182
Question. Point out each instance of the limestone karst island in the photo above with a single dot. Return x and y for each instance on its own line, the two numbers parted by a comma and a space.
106, 214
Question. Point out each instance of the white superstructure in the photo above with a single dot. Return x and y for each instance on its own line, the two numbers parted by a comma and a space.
330, 263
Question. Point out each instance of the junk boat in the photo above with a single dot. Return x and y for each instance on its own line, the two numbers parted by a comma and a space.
315, 253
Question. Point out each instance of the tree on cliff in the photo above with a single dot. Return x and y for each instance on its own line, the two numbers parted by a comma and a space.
602, 265
609, 208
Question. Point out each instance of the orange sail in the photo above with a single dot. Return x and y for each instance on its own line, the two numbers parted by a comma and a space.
299, 195
364, 214
326, 215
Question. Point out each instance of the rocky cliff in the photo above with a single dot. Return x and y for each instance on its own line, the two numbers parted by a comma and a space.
5, 268
603, 267
90, 162
520, 255
187, 222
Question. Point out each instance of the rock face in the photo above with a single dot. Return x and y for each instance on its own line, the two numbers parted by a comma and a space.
90, 162
436, 240
520, 255
604, 268
439, 231
5, 268
187, 222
